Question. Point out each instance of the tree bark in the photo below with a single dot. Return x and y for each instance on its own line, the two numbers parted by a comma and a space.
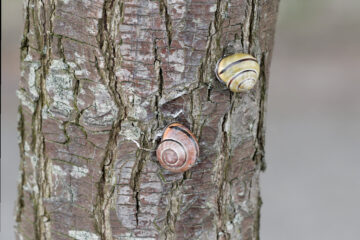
100, 81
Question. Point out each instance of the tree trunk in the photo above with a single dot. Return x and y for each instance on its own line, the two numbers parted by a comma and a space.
100, 81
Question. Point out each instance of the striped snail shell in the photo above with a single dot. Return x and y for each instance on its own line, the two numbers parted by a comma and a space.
239, 71
178, 149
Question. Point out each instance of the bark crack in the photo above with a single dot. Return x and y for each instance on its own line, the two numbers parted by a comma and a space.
160, 80
167, 18
43, 33
107, 46
20, 200
174, 208
135, 181
222, 169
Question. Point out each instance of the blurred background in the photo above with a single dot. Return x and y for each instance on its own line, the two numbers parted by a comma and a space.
311, 188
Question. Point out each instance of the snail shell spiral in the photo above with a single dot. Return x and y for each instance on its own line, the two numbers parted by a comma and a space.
178, 149
239, 71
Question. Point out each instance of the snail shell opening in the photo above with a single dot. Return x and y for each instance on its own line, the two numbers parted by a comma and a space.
239, 71
178, 149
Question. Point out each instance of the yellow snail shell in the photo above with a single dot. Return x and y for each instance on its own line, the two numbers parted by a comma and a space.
178, 149
239, 71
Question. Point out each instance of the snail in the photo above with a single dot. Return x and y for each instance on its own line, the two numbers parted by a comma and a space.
178, 149
239, 71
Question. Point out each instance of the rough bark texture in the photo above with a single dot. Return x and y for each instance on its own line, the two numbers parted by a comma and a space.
100, 81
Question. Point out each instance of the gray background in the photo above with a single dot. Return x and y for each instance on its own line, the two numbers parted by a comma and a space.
311, 188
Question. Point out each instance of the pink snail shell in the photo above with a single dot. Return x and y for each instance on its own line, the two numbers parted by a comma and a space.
178, 149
